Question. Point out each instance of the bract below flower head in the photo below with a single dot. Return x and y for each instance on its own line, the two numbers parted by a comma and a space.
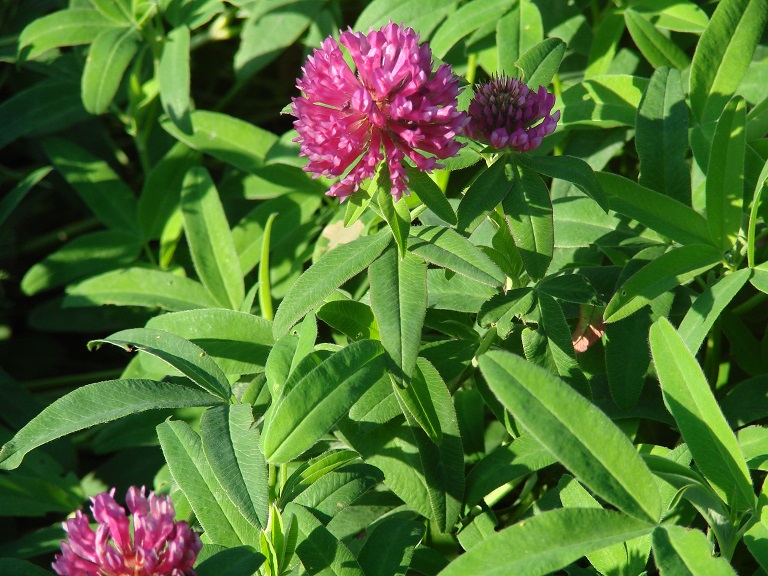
506, 114
157, 546
391, 107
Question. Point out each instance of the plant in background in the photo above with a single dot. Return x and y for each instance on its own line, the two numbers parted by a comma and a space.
415, 404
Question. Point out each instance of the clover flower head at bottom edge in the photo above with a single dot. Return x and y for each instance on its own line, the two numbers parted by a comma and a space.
507, 114
157, 545
392, 107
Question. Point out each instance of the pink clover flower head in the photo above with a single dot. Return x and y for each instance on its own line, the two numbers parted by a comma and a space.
392, 107
157, 545
506, 114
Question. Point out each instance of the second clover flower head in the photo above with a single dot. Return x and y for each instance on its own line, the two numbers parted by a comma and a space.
391, 107
506, 114
155, 546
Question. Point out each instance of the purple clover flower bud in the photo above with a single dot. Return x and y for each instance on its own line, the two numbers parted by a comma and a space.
157, 545
506, 114
392, 107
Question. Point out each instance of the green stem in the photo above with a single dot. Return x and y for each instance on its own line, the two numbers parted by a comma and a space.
471, 68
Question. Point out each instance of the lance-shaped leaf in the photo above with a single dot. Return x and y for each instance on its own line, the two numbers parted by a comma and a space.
657, 48
627, 357
95, 404
231, 445
540, 63
12, 198
517, 32
63, 28
173, 77
313, 470
320, 552
528, 212
725, 174
699, 418
656, 211
485, 193
331, 271
571, 169
389, 548
399, 302
575, 431
708, 306
222, 521
448, 249
140, 287
545, 543
429, 192
724, 53
427, 477
678, 550
186, 357
464, 21
319, 399
671, 269
229, 139
108, 57
661, 138
210, 240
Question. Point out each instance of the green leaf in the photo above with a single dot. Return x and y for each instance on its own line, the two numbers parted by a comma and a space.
210, 240
353, 319
399, 303
84, 256
32, 110
238, 342
449, 291
746, 402
627, 357
416, 402
396, 214
428, 192
575, 431
464, 21
723, 54
677, 15
448, 249
108, 58
756, 540
517, 32
545, 543
173, 77
186, 357
332, 270
707, 307
105, 193
319, 399
725, 174
63, 28
95, 404
550, 345
604, 101
678, 550
508, 462
661, 137
222, 521
337, 489
688, 397
654, 210
427, 477
294, 210
265, 35
140, 287
313, 470
670, 270
12, 198
570, 169
231, 445
388, 550
237, 561
528, 212
540, 63
657, 48
486, 192
21, 568
119, 11
160, 195
501, 309
320, 552
603, 48
229, 139
421, 15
